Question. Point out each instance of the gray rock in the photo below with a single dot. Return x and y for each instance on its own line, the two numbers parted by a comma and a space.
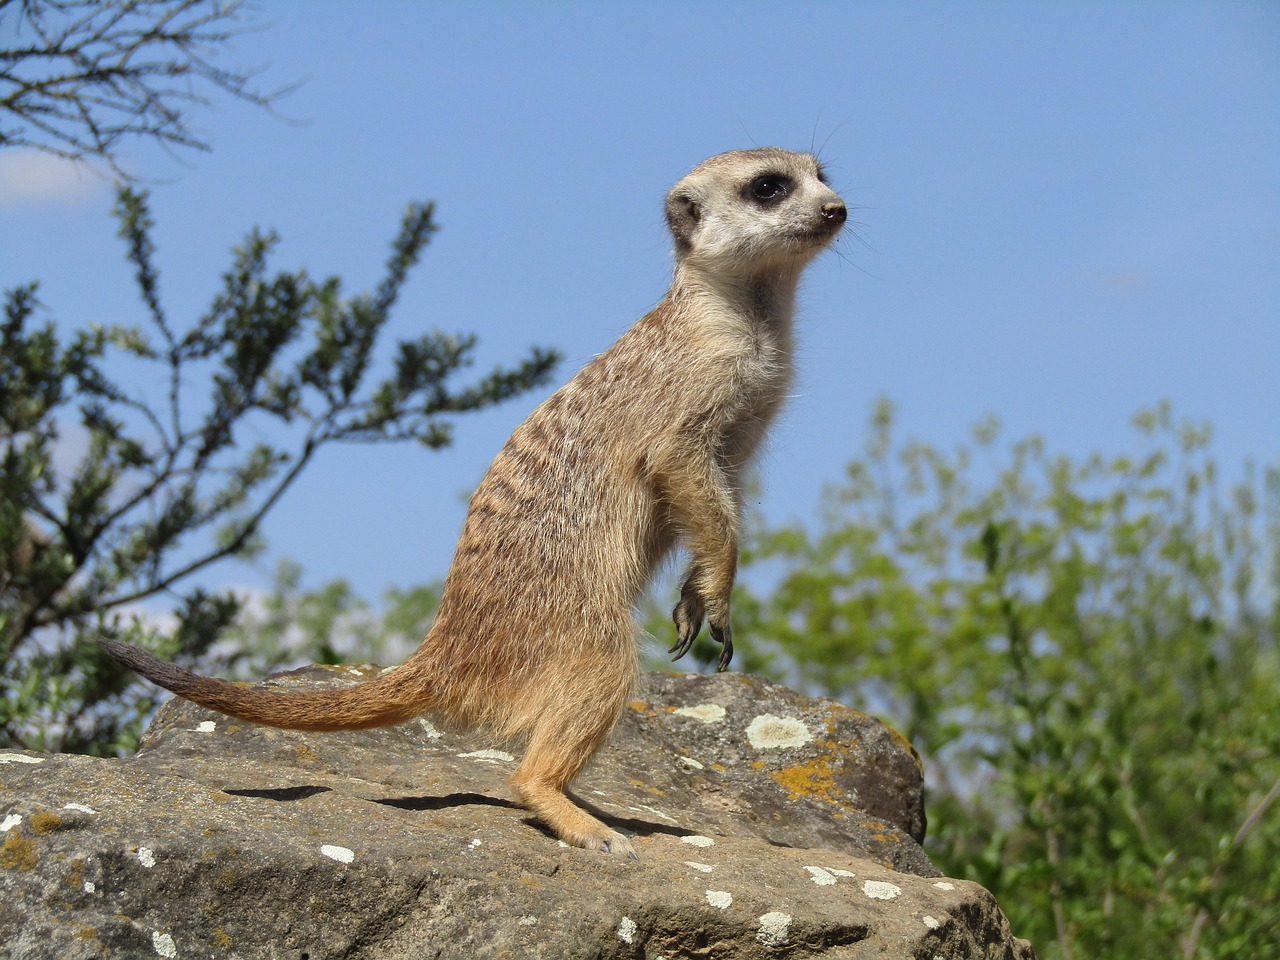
768, 825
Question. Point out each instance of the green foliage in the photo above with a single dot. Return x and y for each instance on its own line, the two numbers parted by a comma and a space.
1086, 652
291, 626
160, 487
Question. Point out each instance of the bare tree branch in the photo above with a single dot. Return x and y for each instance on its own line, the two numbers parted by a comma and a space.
83, 77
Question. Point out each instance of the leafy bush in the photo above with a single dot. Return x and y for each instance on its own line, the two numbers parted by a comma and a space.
162, 487
1086, 652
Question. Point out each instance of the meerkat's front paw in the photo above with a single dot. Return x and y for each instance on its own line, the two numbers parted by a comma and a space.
723, 635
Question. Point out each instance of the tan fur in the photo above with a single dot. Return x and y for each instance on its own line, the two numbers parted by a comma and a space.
644, 449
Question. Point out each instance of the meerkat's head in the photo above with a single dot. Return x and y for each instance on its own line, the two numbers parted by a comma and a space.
753, 212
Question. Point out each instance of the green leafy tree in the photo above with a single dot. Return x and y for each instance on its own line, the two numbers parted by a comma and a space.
1087, 653
290, 626
165, 486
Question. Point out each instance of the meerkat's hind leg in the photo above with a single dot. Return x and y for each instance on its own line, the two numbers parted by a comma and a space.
564, 740
542, 790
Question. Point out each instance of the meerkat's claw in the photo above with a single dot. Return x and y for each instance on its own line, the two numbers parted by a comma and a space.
724, 637
620, 844
688, 619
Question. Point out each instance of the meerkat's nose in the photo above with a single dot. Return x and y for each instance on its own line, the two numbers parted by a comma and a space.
834, 212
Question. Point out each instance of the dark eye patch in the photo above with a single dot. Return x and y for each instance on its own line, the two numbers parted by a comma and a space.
768, 188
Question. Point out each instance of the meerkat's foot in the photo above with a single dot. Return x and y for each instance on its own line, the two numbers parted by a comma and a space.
611, 842
570, 822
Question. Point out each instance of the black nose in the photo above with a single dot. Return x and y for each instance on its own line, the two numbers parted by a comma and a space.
834, 212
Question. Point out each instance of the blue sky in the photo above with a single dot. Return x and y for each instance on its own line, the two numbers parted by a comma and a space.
1067, 212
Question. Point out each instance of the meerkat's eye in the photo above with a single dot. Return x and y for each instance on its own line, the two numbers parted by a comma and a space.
769, 188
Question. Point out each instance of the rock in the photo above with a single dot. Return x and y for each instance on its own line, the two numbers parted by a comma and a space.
768, 825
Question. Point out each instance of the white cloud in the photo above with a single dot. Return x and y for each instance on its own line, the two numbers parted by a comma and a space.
33, 178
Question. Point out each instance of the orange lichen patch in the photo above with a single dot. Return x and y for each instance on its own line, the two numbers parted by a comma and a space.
641, 706
18, 853
221, 939
45, 822
832, 724
814, 780
226, 879
842, 751
75, 875
908, 744
757, 764
305, 754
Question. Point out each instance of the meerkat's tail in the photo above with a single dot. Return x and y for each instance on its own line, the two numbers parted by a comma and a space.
393, 698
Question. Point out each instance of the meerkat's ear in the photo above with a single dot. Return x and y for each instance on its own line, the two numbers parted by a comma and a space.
683, 214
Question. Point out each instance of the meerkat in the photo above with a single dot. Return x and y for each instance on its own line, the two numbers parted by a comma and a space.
643, 450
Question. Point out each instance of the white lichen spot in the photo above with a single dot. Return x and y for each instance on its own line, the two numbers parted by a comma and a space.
931, 923
90, 887
78, 806
720, 899
700, 867
774, 928
881, 890
706, 712
821, 877
943, 885
767, 732
689, 762
487, 756
528, 921
11, 821
206, 726
146, 857
19, 758
474, 843
626, 930
429, 729
835, 871
563, 844
163, 944
341, 854
696, 841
